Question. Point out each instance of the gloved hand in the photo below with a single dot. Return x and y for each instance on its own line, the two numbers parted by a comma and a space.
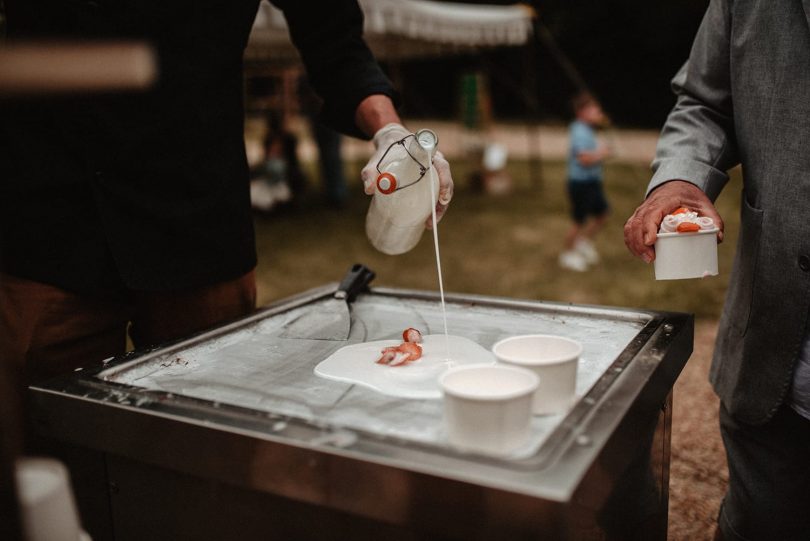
384, 138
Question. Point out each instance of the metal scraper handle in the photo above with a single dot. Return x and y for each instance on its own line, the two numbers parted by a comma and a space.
355, 281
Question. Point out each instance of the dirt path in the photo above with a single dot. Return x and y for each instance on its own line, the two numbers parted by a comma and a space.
698, 474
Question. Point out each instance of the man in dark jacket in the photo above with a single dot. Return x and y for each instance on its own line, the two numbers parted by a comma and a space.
134, 208
744, 98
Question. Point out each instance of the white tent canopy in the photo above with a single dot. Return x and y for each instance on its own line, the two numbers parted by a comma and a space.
409, 28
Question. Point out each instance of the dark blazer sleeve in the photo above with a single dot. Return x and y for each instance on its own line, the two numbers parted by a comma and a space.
341, 68
697, 143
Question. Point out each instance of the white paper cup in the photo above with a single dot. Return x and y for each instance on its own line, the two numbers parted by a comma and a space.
553, 359
46, 501
686, 255
487, 408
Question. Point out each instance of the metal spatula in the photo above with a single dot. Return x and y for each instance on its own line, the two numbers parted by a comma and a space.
331, 320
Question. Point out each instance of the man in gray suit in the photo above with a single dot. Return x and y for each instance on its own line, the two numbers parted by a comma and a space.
744, 98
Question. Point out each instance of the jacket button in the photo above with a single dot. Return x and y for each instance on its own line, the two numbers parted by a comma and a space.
804, 263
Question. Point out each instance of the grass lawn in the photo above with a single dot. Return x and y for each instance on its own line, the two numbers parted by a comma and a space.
503, 246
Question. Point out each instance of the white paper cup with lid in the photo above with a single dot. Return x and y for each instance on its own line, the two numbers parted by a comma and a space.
553, 359
686, 255
487, 408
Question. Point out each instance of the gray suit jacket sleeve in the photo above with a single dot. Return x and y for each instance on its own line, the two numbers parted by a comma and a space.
697, 142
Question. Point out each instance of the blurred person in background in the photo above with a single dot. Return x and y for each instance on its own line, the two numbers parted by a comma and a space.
131, 212
279, 177
744, 98
589, 206
329, 143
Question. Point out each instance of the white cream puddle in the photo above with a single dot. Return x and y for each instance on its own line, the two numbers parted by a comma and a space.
416, 380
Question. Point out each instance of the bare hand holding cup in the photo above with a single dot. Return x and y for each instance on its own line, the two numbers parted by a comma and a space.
641, 228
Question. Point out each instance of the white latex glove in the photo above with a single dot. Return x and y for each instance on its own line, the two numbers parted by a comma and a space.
384, 138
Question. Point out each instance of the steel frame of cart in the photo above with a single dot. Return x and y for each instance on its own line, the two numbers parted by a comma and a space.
152, 465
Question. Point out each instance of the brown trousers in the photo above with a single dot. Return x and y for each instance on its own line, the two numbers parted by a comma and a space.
46, 331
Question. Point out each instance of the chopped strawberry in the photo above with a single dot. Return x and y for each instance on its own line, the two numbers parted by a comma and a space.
687, 227
400, 359
388, 355
400, 355
412, 335
414, 351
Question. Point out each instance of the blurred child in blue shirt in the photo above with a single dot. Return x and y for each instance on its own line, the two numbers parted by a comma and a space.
589, 207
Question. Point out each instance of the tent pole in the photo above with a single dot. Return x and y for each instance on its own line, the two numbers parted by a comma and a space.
533, 132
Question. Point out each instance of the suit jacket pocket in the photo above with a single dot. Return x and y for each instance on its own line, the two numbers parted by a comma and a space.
737, 310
